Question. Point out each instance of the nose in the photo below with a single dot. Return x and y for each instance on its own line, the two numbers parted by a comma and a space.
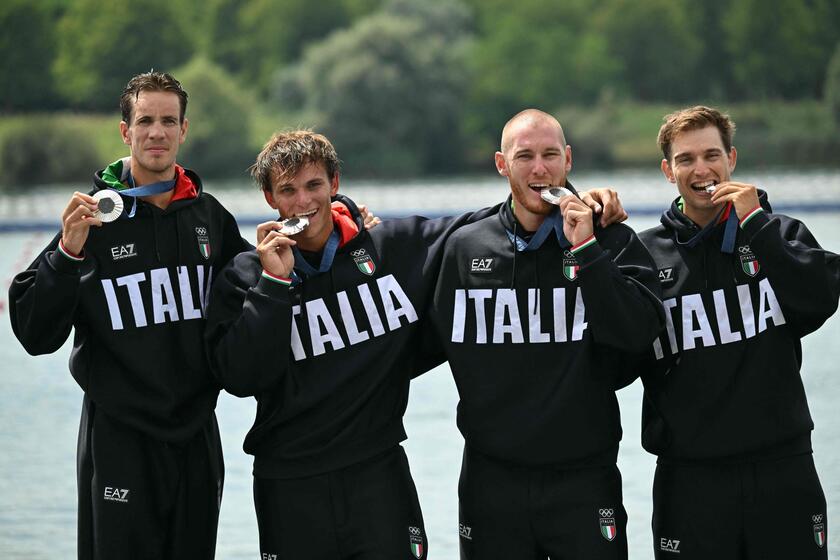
539, 166
156, 130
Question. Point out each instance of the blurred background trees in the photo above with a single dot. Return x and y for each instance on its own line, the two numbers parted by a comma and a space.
408, 87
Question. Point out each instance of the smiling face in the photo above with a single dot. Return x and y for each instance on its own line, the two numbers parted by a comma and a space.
154, 133
309, 194
534, 155
699, 160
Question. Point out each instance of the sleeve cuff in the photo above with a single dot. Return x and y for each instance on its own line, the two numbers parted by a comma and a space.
72, 256
587, 251
273, 285
753, 222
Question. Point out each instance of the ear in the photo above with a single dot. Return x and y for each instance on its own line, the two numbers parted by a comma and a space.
666, 169
568, 158
733, 157
184, 126
501, 164
334, 186
269, 199
124, 133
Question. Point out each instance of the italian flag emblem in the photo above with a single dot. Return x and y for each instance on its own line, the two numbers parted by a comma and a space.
749, 264
819, 530
415, 538
363, 262
607, 521
417, 549
203, 242
570, 269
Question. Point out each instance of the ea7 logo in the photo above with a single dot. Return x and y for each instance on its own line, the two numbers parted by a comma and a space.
123, 251
669, 545
116, 494
267, 556
465, 531
666, 275
481, 265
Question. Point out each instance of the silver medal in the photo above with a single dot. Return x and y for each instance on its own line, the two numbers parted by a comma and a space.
109, 205
553, 195
293, 225
711, 189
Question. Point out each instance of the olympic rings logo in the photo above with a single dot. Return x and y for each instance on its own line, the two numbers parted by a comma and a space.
411, 530
201, 231
358, 252
606, 512
744, 249
817, 518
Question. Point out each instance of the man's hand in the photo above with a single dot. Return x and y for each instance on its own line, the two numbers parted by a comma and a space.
76, 221
577, 219
743, 196
370, 220
275, 250
606, 203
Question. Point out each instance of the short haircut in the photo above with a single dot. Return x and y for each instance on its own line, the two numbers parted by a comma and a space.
286, 153
530, 116
150, 81
694, 118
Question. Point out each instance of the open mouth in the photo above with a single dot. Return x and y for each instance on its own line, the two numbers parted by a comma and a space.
306, 214
704, 186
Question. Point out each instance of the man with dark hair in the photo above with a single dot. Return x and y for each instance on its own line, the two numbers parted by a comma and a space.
129, 273
538, 310
724, 408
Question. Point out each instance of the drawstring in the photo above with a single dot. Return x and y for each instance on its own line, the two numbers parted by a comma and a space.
513, 244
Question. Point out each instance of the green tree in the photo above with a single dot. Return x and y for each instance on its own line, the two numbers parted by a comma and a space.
27, 49
388, 91
780, 48
252, 38
102, 44
514, 66
832, 86
218, 138
658, 45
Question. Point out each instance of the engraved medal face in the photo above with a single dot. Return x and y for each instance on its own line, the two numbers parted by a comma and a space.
109, 205
553, 195
293, 225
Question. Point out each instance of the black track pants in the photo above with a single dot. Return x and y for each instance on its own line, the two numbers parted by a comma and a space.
527, 513
367, 511
773, 510
140, 498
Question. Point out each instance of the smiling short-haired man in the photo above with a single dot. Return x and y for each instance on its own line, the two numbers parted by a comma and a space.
724, 408
150, 468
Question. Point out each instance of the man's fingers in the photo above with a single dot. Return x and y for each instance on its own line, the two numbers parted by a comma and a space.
590, 201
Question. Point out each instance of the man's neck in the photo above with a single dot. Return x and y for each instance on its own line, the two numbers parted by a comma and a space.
143, 177
528, 220
316, 245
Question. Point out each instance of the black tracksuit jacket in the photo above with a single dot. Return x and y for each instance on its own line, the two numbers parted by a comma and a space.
538, 347
330, 359
723, 381
136, 306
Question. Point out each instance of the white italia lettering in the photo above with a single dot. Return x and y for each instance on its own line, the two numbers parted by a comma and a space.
354, 336
372, 313
297, 346
334, 330
722, 314
189, 309
768, 306
163, 297
153, 293
459, 316
132, 284
204, 288
478, 296
506, 307
113, 305
317, 313
692, 306
747, 312
391, 292
696, 324
579, 325
535, 333
560, 315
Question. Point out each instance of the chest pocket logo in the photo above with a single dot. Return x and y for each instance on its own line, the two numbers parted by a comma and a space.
363, 261
749, 264
203, 242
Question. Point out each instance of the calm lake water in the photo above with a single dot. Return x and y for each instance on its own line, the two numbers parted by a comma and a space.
40, 402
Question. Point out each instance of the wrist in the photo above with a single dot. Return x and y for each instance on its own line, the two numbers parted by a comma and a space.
276, 278
75, 256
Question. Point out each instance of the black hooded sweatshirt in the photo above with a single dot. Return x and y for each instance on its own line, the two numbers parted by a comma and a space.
723, 382
329, 359
136, 304
538, 341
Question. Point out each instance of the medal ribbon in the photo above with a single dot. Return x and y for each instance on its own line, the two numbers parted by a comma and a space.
554, 221
326, 258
